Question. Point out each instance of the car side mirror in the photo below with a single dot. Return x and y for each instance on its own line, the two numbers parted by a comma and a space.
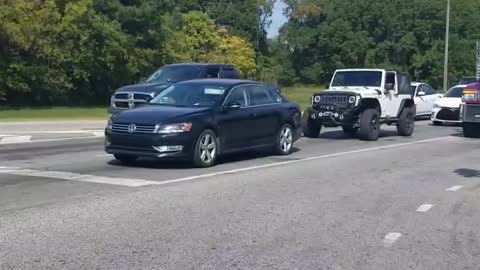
232, 106
421, 94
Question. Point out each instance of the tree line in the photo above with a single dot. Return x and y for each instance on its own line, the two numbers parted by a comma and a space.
77, 52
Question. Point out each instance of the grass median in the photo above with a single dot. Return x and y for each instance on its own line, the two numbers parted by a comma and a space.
300, 94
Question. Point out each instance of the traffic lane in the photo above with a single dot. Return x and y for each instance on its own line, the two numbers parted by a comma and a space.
308, 215
332, 141
36, 126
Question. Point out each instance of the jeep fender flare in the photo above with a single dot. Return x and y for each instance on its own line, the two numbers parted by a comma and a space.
406, 103
370, 103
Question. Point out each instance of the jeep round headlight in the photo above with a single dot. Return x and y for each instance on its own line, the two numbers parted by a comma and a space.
352, 99
317, 99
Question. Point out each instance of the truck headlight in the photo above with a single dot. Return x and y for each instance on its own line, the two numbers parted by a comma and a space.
317, 99
352, 99
174, 128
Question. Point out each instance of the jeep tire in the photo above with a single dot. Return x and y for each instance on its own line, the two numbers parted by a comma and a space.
406, 122
310, 128
471, 130
369, 125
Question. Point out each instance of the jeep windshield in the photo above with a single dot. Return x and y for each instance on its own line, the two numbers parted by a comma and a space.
357, 78
172, 74
190, 95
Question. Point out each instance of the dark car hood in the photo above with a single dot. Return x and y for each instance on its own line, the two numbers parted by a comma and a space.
144, 87
158, 114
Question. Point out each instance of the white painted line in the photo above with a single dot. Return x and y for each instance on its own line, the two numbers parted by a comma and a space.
454, 188
15, 139
63, 139
104, 155
128, 182
424, 208
99, 133
54, 132
277, 164
391, 238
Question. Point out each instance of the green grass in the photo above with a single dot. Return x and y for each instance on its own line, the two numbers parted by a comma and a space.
53, 114
301, 94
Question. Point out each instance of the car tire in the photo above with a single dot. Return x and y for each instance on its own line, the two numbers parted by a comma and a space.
406, 122
206, 149
471, 130
284, 141
349, 131
125, 159
369, 125
310, 129
437, 123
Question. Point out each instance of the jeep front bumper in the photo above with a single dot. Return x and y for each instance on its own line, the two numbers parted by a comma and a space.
333, 116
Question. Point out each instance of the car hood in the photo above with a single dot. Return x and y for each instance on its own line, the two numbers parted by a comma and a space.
144, 88
362, 91
449, 102
158, 114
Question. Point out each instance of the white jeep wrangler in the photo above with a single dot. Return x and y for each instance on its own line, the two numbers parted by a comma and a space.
360, 100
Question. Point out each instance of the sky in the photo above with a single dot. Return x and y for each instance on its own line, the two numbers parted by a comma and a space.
278, 19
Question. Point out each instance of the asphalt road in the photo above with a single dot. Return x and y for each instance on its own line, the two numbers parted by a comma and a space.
336, 203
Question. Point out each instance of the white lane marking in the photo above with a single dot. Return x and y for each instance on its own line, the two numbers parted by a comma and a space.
276, 164
391, 238
77, 177
454, 188
15, 139
424, 208
99, 133
62, 139
54, 132
104, 155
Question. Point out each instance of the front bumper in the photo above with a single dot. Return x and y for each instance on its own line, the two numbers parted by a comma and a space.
446, 115
333, 116
143, 145
470, 113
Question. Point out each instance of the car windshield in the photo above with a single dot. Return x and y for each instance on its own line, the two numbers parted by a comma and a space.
175, 74
190, 95
455, 92
358, 78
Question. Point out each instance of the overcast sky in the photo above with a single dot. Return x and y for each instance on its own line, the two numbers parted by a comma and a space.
278, 19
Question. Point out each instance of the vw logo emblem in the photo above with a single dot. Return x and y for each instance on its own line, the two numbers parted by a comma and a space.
132, 128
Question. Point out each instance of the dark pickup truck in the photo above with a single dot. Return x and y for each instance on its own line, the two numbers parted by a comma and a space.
131, 96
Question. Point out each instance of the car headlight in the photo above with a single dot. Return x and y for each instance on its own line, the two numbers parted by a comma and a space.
352, 99
110, 124
317, 99
174, 128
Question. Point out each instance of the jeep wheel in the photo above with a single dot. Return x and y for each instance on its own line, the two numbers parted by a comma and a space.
406, 122
471, 130
349, 131
309, 127
369, 125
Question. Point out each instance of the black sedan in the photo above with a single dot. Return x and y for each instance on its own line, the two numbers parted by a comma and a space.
200, 120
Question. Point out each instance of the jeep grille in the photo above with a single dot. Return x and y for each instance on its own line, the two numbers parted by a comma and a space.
338, 100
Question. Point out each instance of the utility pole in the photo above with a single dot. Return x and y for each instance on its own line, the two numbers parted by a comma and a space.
478, 61
445, 65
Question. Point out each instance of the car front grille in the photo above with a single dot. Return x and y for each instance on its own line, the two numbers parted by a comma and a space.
337, 100
133, 128
130, 100
451, 114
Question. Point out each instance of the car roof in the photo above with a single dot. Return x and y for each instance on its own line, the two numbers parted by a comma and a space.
227, 83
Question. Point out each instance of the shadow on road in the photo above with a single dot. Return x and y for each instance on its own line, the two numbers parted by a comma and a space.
340, 135
468, 173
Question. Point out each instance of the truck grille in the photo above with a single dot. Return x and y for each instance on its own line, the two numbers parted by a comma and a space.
338, 100
471, 113
452, 114
137, 128
130, 100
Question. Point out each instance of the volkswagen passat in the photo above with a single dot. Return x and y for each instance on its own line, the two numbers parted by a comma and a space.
200, 120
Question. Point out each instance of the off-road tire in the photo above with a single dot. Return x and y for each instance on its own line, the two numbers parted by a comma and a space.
369, 125
125, 159
471, 130
406, 122
310, 128
204, 142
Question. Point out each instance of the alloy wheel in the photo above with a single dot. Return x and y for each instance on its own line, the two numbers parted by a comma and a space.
208, 148
286, 139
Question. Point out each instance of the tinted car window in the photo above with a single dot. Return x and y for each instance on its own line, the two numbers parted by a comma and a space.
260, 96
428, 90
237, 96
229, 74
190, 95
212, 72
455, 92
176, 74
413, 88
